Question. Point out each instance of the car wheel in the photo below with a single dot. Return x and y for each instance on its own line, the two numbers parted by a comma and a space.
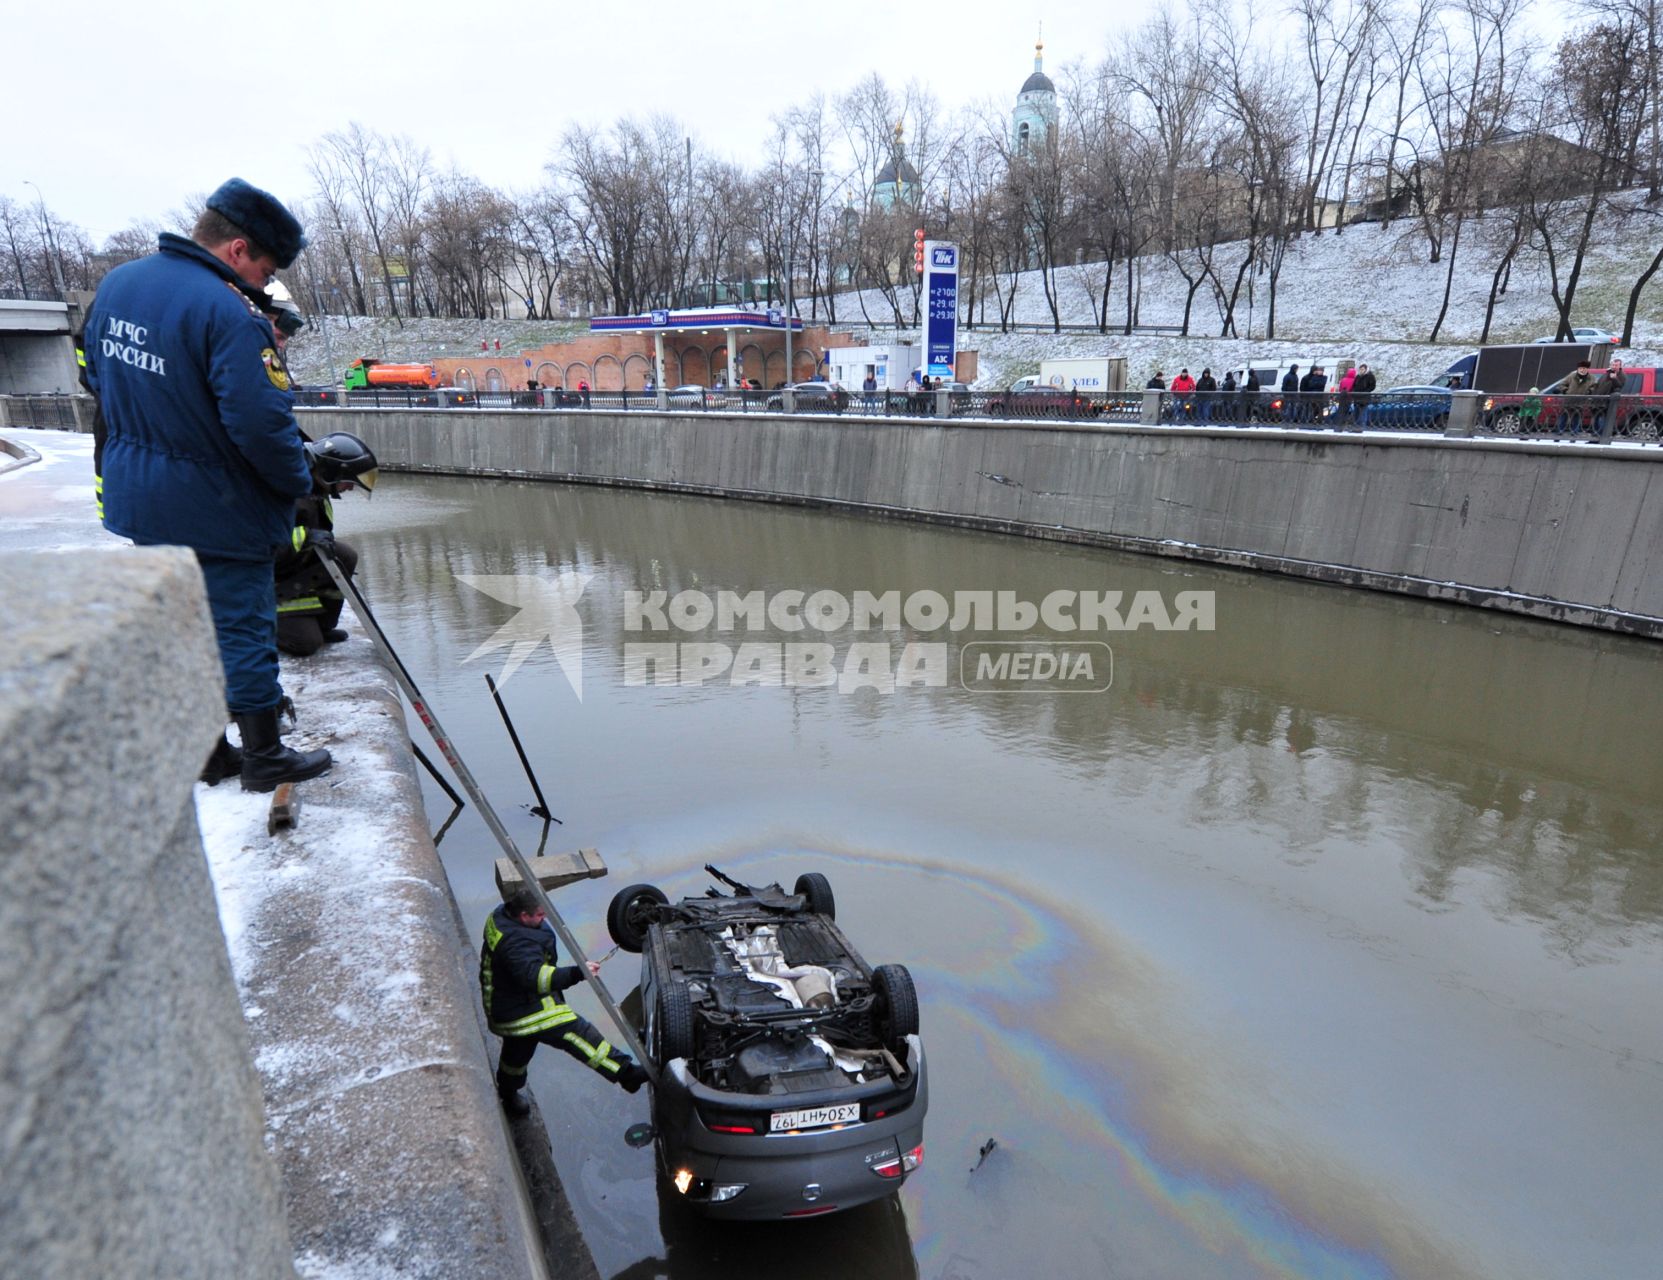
817, 889
630, 913
1439, 421
1507, 423
897, 1009
675, 1023
1642, 426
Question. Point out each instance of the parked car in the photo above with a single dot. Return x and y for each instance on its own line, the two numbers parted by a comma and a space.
692, 396
813, 397
1587, 336
1042, 402
1638, 414
790, 1072
1415, 408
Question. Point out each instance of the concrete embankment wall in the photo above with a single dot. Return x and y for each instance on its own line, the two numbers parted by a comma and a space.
226, 1051
1568, 532
131, 1127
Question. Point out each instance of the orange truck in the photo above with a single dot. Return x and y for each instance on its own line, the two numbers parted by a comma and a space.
364, 374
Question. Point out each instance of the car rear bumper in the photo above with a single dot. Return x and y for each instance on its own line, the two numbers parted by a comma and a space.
784, 1175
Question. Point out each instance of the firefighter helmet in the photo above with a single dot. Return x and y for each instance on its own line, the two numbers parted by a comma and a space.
284, 311
341, 458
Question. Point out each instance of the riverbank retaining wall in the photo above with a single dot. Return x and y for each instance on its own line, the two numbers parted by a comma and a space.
131, 1125
1572, 533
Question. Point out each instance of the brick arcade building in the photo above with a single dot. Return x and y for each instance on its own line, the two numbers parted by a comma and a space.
620, 353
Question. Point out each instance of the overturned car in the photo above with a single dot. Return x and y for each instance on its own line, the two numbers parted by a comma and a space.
791, 1074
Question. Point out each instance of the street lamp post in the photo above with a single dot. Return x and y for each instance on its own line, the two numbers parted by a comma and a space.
51, 245
790, 369
323, 323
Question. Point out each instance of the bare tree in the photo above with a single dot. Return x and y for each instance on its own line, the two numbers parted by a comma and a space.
355, 161
1597, 97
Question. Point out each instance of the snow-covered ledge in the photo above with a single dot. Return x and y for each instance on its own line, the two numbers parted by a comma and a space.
362, 1003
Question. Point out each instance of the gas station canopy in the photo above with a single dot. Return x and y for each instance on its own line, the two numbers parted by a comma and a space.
696, 318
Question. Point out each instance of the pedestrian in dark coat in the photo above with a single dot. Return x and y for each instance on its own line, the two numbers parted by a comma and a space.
1311, 388
1250, 388
1362, 389
1206, 394
1608, 388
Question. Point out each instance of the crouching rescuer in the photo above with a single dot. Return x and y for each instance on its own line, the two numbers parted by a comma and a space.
522, 987
308, 602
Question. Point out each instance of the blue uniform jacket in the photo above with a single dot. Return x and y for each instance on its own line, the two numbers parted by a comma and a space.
202, 448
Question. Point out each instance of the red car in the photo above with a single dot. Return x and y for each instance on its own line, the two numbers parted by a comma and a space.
1638, 414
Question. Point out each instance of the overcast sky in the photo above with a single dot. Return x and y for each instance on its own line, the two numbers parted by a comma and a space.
118, 111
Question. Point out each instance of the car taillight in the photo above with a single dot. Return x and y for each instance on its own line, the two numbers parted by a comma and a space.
731, 1128
901, 1165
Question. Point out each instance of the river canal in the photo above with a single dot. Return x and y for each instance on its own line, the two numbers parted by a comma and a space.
1327, 942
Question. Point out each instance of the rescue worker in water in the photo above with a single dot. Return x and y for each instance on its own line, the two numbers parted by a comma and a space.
522, 987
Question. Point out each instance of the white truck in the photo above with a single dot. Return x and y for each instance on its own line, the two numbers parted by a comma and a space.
1093, 375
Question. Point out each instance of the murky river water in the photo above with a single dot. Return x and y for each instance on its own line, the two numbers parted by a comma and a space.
1325, 943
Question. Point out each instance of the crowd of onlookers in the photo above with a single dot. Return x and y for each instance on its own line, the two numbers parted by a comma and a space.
1296, 398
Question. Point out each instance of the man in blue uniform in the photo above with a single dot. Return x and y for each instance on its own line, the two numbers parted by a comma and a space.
522, 987
201, 449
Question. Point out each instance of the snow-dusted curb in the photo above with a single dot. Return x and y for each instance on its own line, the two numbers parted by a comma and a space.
361, 1005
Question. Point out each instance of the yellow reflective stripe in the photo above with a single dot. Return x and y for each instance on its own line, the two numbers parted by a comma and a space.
504, 1069
80, 357
329, 511
300, 604
551, 1015
545, 978
598, 1055
493, 935
298, 536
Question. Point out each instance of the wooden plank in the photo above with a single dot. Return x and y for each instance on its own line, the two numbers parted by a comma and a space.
553, 871
285, 809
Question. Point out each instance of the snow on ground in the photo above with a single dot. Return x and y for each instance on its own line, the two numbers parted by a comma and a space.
1369, 293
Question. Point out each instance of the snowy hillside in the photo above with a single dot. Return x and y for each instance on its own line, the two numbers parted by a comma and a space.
1367, 294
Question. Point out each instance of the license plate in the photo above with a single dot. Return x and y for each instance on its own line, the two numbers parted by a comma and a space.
813, 1117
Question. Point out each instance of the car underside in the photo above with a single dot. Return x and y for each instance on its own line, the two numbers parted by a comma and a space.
791, 1074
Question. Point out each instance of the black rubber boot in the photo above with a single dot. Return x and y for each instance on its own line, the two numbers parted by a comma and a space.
514, 1102
333, 635
266, 761
226, 762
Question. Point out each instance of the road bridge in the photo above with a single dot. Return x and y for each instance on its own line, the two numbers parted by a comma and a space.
37, 346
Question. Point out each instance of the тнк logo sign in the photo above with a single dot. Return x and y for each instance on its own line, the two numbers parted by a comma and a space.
943, 256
